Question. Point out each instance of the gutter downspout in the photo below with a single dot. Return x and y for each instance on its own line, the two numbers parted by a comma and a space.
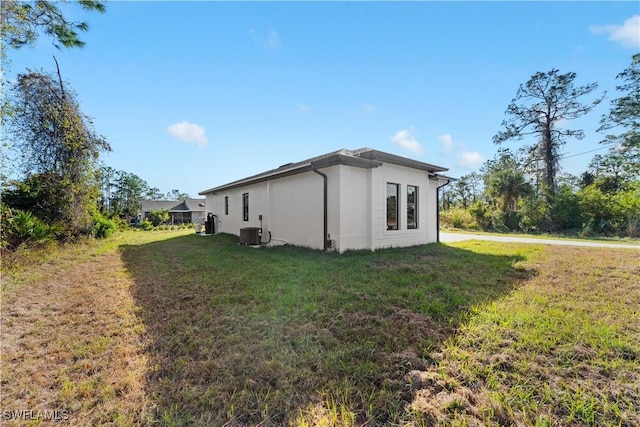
326, 198
438, 209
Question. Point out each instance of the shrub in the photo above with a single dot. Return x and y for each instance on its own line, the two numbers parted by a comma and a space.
120, 223
535, 212
458, 218
481, 213
629, 201
510, 220
23, 228
159, 216
600, 210
565, 213
103, 227
146, 225
632, 228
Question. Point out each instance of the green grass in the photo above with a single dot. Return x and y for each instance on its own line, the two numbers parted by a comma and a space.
192, 330
564, 349
552, 236
248, 335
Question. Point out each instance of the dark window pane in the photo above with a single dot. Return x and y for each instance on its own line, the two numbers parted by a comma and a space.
412, 206
392, 206
245, 206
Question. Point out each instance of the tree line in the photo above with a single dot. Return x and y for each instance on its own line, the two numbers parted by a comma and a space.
524, 190
63, 191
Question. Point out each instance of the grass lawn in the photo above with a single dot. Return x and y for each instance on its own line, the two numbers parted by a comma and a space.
170, 328
550, 236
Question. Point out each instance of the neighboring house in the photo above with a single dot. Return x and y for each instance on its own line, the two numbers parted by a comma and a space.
180, 212
347, 199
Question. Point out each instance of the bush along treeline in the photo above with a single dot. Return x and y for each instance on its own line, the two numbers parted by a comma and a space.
64, 193
525, 191
508, 200
57, 149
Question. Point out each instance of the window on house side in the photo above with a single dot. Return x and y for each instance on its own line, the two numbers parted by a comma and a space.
412, 207
226, 205
393, 192
245, 206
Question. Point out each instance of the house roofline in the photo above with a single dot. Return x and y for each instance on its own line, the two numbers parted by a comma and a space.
401, 161
440, 177
186, 205
363, 158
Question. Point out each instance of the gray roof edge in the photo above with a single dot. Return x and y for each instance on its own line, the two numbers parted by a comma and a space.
256, 179
363, 158
342, 159
400, 161
284, 170
439, 176
173, 205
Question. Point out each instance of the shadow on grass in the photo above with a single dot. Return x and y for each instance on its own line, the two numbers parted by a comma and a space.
243, 336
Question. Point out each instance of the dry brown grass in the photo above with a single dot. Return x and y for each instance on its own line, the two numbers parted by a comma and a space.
72, 342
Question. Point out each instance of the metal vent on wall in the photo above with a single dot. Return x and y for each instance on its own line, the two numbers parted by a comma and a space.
250, 236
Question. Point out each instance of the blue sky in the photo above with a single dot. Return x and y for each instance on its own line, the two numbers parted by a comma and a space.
192, 95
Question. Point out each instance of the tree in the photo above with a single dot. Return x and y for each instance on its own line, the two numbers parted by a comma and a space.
20, 24
159, 216
625, 116
105, 176
176, 195
466, 188
508, 185
504, 159
540, 106
155, 194
129, 191
56, 142
23, 21
608, 172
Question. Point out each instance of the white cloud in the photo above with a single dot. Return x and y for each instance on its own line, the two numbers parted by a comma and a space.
627, 34
301, 108
189, 133
470, 159
447, 142
465, 158
270, 41
367, 108
406, 139
363, 109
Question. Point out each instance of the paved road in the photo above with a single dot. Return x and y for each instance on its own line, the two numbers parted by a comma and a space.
457, 237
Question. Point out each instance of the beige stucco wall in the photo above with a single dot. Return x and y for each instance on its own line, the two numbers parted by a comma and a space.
292, 208
381, 237
353, 221
296, 210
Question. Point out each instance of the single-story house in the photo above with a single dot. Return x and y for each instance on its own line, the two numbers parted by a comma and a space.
346, 199
180, 212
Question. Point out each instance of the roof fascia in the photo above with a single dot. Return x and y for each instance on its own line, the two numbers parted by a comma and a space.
440, 177
257, 179
333, 160
401, 161
341, 159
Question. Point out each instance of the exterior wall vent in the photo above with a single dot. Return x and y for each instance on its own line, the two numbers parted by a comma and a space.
250, 236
